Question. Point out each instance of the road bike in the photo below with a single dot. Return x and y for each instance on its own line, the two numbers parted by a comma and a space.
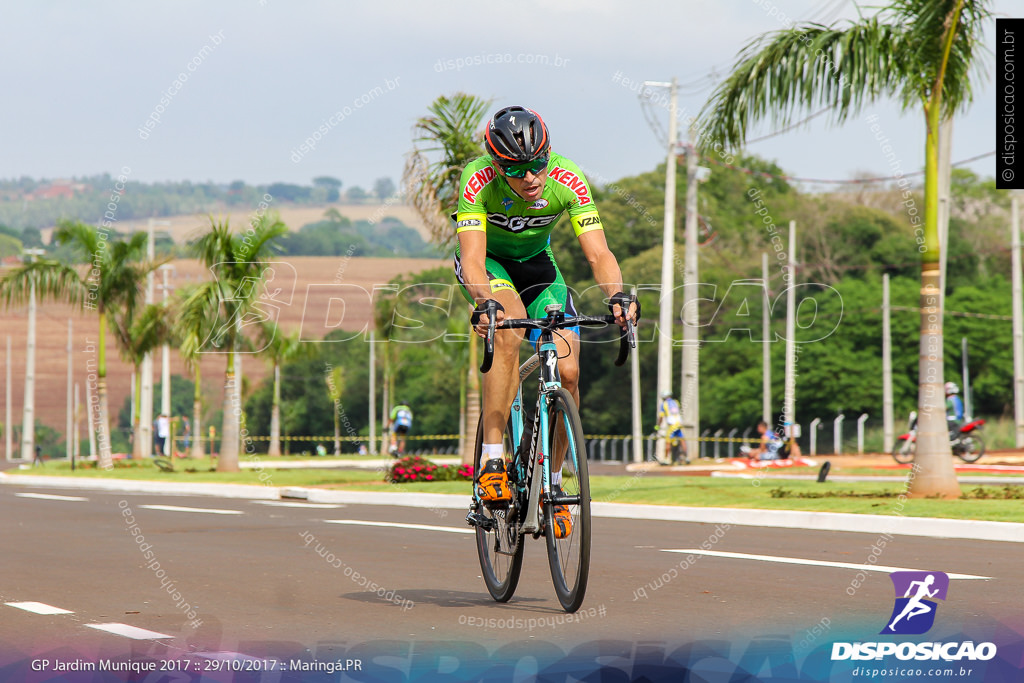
534, 442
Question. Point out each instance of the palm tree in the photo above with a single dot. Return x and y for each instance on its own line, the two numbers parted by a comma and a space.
137, 336
454, 129
191, 332
280, 348
920, 51
114, 281
226, 304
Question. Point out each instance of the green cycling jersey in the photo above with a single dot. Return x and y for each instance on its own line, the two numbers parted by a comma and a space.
517, 228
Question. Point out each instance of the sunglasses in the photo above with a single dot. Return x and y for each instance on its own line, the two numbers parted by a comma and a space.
519, 170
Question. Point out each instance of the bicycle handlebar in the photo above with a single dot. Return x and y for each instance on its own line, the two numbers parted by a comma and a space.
627, 336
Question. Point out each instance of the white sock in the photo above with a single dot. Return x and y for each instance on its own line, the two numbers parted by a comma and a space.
556, 478
491, 451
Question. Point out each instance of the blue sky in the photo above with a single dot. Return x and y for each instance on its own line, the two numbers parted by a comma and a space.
262, 76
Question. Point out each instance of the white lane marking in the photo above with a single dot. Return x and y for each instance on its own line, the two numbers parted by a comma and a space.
423, 527
813, 563
127, 631
175, 508
287, 504
49, 496
38, 608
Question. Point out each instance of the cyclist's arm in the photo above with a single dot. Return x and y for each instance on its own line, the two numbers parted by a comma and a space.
603, 264
473, 257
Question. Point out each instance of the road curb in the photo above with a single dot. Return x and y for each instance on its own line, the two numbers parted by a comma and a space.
896, 525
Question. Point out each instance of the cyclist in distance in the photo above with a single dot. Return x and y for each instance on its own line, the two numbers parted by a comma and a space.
509, 202
670, 423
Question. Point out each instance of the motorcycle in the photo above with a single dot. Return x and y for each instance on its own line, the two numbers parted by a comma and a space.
968, 444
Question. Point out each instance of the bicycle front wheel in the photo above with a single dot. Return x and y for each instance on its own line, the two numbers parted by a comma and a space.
499, 545
567, 518
904, 451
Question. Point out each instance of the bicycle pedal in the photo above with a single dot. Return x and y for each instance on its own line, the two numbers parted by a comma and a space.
479, 520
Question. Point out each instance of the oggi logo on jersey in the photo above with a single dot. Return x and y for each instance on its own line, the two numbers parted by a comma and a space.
520, 223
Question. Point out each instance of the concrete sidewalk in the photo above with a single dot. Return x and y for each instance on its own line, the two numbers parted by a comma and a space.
791, 519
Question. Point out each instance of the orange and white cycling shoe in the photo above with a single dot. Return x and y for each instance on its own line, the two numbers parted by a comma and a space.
562, 522
492, 484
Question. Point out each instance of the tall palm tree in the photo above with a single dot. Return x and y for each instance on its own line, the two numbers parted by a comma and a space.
226, 304
453, 134
114, 280
280, 348
137, 336
919, 51
191, 331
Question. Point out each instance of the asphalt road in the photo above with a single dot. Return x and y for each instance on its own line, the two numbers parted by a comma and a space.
238, 578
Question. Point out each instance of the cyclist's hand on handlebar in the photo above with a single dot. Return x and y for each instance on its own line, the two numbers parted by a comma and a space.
620, 302
480, 321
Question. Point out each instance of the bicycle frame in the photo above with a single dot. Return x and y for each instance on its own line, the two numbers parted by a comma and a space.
541, 479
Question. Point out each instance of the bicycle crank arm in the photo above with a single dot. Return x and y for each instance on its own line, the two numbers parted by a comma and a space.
564, 500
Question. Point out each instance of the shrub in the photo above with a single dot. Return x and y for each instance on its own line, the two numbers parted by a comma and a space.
416, 468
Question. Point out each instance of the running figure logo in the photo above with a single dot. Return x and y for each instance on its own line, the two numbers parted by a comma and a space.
913, 613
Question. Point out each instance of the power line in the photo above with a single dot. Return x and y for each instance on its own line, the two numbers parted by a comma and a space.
858, 181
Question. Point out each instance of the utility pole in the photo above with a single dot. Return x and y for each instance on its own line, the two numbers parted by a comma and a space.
69, 446
90, 426
1018, 322
690, 384
888, 433
766, 350
146, 400
789, 400
634, 367
372, 450
165, 375
8, 441
28, 423
666, 316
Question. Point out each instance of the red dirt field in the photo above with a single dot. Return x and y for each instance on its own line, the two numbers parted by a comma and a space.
301, 292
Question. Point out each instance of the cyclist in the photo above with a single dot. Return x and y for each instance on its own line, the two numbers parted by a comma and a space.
770, 445
401, 423
670, 422
509, 201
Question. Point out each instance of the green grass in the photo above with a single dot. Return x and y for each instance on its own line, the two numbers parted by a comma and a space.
767, 493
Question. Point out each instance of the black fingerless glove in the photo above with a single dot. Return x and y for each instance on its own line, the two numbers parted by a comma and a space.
624, 300
481, 309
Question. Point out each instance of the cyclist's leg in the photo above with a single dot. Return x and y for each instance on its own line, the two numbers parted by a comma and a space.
502, 381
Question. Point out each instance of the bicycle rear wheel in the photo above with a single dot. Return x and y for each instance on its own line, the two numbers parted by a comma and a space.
569, 557
499, 543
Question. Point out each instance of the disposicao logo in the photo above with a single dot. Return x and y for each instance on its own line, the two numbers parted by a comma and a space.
913, 613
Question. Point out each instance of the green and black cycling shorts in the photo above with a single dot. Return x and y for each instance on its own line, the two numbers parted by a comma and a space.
536, 280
